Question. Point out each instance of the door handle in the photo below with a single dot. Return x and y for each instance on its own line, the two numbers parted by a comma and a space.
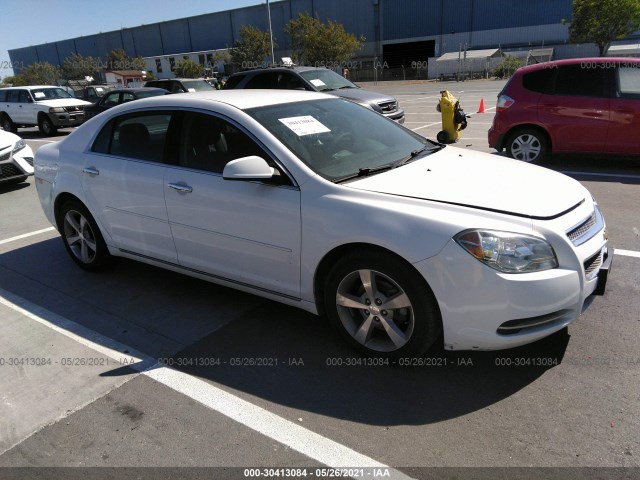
180, 187
93, 171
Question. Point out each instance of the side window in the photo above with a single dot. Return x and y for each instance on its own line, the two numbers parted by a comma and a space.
263, 80
575, 80
209, 143
24, 97
233, 81
127, 97
538, 81
288, 81
629, 82
3, 95
140, 136
111, 100
12, 96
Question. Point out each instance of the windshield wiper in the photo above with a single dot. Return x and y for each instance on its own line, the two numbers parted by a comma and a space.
416, 153
365, 172
346, 86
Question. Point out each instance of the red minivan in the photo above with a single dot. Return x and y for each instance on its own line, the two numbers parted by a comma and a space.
583, 105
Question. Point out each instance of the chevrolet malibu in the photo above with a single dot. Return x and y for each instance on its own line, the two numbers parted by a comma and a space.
317, 202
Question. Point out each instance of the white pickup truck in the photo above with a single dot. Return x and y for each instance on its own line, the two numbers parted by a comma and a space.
47, 107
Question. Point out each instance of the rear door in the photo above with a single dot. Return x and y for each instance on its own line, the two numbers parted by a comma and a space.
123, 182
624, 133
577, 113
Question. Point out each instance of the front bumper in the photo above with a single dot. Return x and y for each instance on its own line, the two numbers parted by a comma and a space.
483, 309
15, 165
67, 119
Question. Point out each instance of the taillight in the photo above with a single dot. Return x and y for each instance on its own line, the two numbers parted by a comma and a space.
504, 102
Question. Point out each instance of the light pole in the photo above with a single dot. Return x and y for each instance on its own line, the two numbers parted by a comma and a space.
273, 59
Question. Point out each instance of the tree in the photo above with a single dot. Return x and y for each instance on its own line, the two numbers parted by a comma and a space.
77, 67
506, 68
601, 21
119, 60
41, 73
252, 48
187, 68
318, 44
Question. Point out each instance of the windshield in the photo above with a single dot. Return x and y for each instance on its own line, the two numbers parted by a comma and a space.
324, 80
49, 93
197, 86
339, 139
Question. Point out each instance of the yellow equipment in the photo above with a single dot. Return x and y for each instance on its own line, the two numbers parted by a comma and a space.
453, 118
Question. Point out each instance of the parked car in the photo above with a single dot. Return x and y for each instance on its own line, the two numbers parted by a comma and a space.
319, 80
93, 93
316, 202
16, 158
47, 107
181, 85
584, 105
122, 95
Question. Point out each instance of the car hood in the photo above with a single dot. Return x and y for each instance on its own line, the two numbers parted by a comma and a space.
62, 102
483, 181
362, 96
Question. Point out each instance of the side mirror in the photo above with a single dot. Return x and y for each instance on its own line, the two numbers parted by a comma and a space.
248, 168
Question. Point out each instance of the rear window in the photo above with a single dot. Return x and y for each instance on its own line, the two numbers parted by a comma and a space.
576, 80
538, 81
629, 82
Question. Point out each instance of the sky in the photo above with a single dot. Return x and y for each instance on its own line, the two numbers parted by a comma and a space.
32, 22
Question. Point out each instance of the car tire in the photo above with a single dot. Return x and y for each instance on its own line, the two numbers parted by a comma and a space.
7, 124
381, 306
82, 238
443, 136
46, 126
528, 145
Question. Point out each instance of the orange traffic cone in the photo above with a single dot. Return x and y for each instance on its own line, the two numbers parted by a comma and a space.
481, 108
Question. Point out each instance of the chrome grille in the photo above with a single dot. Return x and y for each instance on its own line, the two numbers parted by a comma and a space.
587, 228
75, 108
388, 107
592, 264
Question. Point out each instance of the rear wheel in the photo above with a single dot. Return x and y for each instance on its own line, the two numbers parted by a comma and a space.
381, 306
82, 238
7, 124
528, 145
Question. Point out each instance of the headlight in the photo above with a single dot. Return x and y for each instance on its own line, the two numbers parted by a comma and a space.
19, 146
56, 110
508, 252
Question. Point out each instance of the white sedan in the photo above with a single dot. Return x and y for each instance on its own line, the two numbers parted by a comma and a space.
16, 158
317, 202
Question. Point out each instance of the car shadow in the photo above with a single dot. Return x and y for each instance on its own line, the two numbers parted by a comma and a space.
265, 349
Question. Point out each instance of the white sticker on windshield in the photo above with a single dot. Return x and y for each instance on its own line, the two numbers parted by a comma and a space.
317, 82
191, 90
305, 125
99, 89
38, 94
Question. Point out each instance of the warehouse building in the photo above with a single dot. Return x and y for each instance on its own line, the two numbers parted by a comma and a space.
401, 35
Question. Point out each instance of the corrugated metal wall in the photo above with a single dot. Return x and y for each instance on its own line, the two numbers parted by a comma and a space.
377, 20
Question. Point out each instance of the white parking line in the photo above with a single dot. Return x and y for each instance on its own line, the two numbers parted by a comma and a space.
292, 435
626, 253
26, 235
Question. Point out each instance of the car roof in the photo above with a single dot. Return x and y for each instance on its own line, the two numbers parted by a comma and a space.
136, 89
33, 86
579, 61
279, 69
241, 99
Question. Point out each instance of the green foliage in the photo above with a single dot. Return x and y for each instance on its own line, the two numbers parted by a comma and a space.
252, 48
76, 67
506, 68
601, 21
41, 73
187, 68
318, 44
119, 60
